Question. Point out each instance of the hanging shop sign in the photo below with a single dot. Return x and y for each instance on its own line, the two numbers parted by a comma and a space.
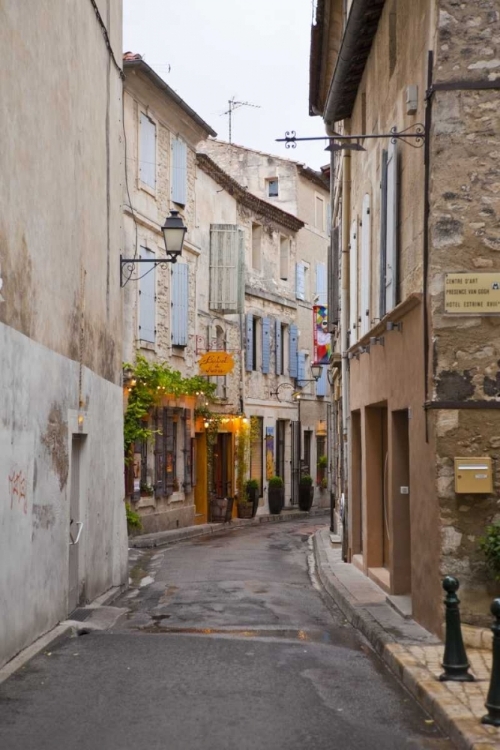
216, 363
472, 293
322, 337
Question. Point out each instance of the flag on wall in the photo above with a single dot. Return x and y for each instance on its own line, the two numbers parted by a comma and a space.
322, 337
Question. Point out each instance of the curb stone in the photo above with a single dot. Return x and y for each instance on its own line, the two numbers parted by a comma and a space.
463, 728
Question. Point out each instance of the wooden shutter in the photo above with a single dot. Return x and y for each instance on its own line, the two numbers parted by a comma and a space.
249, 343
277, 346
365, 275
321, 290
186, 448
147, 297
180, 290
179, 172
147, 155
224, 268
391, 267
353, 284
159, 454
383, 235
301, 368
169, 443
322, 383
300, 281
293, 350
333, 280
266, 345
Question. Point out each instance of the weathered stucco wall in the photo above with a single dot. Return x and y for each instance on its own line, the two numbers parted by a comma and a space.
465, 236
60, 240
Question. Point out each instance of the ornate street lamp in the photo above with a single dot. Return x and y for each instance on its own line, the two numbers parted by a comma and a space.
173, 231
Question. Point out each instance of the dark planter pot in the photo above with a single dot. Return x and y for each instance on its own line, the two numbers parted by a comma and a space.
276, 497
245, 510
253, 497
306, 496
221, 509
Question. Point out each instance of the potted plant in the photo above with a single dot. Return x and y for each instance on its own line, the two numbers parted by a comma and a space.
306, 492
276, 495
134, 523
146, 489
244, 506
252, 494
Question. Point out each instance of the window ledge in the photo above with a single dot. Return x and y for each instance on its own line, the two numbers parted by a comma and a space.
147, 345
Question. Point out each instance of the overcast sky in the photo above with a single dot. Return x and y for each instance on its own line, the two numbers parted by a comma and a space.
215, 49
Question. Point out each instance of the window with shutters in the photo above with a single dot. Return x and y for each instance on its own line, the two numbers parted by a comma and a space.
321, 290
266, 345
179, 304
256, 247
256, 343
285, 347
256, 449
302, 369
320, 213
226, 243
300, 281
147, 297
353, 284
322, 383
272, 187
391, 259
147, 151
284, 257
334, 279
178, 176
278, 348
293, 350
365, 270
166, 481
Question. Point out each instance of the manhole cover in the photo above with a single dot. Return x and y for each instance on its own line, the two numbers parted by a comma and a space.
80, 614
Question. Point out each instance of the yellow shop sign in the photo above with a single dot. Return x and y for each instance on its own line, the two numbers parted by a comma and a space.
216, 363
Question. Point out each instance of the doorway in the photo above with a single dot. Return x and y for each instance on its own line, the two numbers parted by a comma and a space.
222, 466
75, 523
295, 464
400, 485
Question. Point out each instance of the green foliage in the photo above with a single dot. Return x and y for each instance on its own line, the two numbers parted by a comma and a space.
322, 462
147, 489
251, 484
153, 381
324, 483
490, 545
133, 518
306, 480
275, 482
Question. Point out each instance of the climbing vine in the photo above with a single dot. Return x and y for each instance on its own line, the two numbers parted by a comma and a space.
150, 382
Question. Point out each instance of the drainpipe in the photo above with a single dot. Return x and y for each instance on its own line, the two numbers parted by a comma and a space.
344, 326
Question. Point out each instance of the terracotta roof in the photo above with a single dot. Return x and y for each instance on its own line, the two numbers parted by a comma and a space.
247, 199
132, 61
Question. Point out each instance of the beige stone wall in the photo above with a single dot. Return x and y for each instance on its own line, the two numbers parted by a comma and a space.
464, 236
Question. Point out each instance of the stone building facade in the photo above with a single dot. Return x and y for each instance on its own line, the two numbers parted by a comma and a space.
62, 516
302, 192
417, 382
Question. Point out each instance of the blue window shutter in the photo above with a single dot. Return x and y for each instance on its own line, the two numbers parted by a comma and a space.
180, 276
300, 281
322, 383
147, 288
179, 172
321, 289
278, 346
266, 345
147, 148
301, 368
249, 350
294, 343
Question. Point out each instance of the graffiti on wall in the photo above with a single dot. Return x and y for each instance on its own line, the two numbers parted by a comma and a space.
17, 489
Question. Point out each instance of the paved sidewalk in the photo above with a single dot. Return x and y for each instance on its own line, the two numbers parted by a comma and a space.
411, 652
160, 538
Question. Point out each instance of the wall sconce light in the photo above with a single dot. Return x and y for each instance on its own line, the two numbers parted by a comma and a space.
316, 374
374, 340
353, 355
390, 326
173, 232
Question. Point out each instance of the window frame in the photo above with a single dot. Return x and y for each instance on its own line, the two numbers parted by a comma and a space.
269, 182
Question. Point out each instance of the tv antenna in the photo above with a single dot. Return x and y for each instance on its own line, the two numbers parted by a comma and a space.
233, 104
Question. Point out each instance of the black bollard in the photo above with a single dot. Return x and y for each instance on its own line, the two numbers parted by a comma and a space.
493, 698
455, 664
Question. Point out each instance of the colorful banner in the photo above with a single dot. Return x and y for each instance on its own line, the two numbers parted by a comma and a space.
322, 337
269, 452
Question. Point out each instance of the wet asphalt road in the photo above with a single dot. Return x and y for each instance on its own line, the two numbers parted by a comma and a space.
228, 645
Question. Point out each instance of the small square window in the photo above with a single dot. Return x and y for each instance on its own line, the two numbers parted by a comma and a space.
272, 188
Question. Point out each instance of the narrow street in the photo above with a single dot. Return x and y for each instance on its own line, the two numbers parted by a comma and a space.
228, 643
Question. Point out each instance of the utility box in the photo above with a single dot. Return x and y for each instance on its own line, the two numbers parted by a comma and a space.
474, 476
